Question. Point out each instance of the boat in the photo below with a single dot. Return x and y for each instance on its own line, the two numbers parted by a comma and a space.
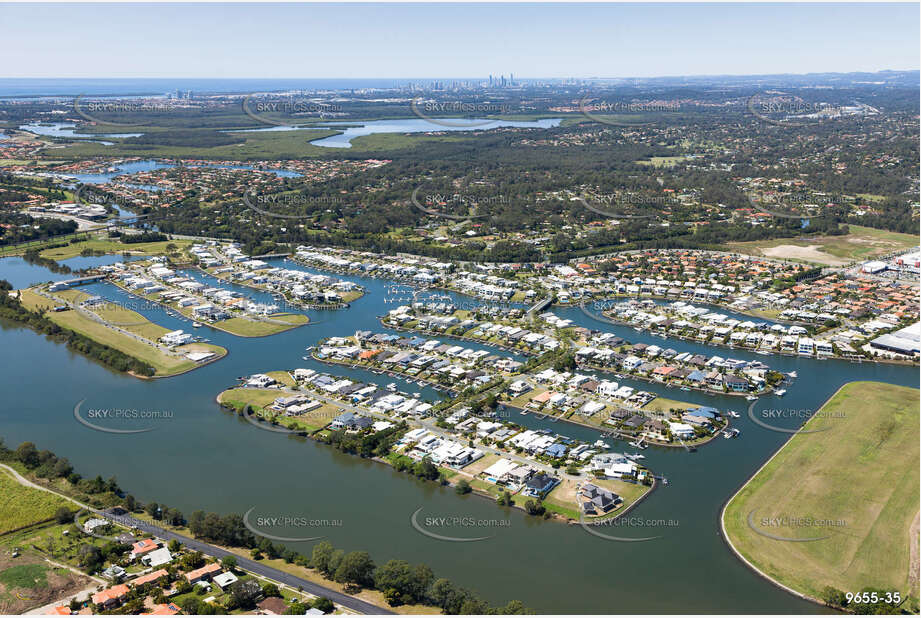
307, 358
763, 353
195, 325
639, 444
732, 413
752, 398
602, 444
392, 387
780, 392
792, 374
685, 388
634, 456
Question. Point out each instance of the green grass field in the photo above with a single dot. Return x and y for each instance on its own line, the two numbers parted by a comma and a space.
113, 246
164, 364
861, 473
663, 161
862, 243
23, 506
259, 399
244, 327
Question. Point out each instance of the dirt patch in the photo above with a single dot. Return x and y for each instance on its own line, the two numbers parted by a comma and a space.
29, 581
481, 464
564, 494
810, 253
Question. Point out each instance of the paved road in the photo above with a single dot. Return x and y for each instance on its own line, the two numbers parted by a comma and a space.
257, 567
244, 563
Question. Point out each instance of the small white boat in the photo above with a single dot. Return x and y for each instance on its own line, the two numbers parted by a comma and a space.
752, 398
763, 353
634, 456
780, 392
732, 413
685, 388
305, 357
392, 387
792, 374
195, 325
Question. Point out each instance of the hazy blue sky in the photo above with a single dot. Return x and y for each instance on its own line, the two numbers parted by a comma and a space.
452, 40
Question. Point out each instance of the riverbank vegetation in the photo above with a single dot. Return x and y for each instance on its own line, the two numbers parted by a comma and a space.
141, 344
396, 581
12, 309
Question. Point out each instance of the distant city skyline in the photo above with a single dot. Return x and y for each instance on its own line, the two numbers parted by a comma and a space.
454, 41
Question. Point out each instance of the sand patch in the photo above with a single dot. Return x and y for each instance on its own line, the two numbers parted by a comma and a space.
811, 253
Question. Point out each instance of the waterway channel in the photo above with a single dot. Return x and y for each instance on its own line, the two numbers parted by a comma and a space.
200, 457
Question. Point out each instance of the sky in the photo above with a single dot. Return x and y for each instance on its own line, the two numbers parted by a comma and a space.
453, 40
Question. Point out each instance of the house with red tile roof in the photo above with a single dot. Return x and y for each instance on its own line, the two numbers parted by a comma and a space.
164, 609
142, 547
205, 573
111, 597
149, 578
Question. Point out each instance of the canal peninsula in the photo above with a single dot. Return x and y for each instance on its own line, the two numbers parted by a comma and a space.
835, 511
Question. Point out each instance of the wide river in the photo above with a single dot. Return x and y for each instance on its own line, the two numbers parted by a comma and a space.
203, 458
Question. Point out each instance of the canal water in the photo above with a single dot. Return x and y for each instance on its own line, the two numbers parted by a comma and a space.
199, 457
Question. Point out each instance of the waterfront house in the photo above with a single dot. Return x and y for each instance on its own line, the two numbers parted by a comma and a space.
539, 484
736, 384
681, 430
597, 499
